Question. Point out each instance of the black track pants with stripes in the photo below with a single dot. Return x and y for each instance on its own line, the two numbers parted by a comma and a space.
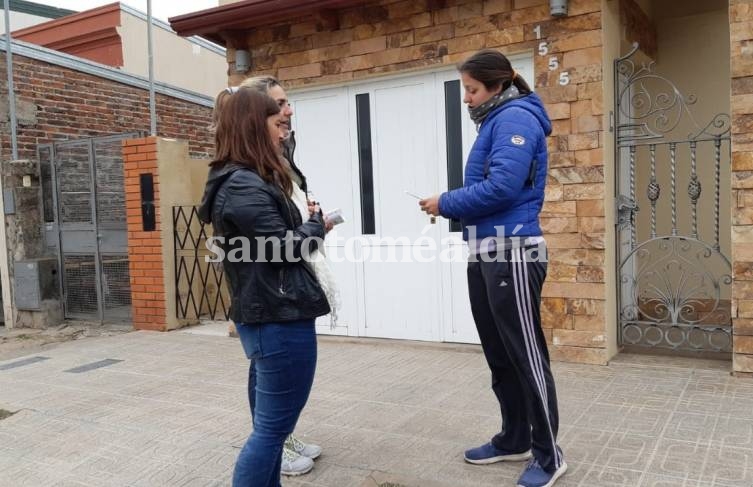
505, 294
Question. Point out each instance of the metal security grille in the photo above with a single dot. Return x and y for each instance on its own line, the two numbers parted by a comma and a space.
81, 285
74, 184
201, 290
85, 199
674, 279
112, 235
116, 287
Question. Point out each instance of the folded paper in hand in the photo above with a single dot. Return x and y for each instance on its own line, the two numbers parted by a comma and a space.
335, 217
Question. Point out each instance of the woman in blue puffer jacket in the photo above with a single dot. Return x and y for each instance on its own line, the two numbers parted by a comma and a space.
499, 208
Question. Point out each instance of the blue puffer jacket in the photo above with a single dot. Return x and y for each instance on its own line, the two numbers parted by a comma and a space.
504, 188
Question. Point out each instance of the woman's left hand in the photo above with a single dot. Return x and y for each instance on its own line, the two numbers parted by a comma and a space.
430, 205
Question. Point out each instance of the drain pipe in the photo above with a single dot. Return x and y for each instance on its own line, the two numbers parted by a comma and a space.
9, 317
11, 88
152, 100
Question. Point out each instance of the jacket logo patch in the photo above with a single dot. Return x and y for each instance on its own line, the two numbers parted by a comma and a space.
518, 140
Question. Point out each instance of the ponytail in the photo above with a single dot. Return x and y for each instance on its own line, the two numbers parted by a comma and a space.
521, 84
493, 69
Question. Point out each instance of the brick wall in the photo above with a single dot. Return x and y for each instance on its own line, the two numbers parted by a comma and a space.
144, 248
741, 51
57, 103
394, 36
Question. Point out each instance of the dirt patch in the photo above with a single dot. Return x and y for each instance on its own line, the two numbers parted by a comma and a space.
24, 341
5, 414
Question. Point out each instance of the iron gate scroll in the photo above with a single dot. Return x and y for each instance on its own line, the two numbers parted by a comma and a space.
200, 287
674, 279
84, 207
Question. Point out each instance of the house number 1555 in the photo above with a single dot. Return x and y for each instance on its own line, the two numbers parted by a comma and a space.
554, 63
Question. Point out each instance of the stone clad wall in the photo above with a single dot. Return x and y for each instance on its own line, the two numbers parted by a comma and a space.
741, 52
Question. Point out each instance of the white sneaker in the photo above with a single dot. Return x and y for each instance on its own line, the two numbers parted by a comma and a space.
309, 450
294, 464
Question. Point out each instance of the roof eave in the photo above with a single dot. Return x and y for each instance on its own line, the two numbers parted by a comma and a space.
248, 14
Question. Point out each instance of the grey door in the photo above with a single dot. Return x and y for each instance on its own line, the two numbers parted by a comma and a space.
89, 228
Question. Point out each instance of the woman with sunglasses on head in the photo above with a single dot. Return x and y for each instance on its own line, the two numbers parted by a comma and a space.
275, 294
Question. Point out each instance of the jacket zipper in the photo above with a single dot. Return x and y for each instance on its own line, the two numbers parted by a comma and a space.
287, 202
282, 281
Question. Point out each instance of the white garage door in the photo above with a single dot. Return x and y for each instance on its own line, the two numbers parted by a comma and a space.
362, 147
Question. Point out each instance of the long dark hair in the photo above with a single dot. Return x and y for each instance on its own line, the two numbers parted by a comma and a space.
241, 136
219, 104
493, 69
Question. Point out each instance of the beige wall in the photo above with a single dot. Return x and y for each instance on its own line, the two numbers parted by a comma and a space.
664, 9
225, 2
177, 61
20, 20
704, 38
181, 184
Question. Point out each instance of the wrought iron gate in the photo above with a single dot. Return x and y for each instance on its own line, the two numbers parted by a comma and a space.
674, 280
85, 214
201, 290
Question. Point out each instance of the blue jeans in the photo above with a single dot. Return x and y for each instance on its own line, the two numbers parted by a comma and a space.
284, 356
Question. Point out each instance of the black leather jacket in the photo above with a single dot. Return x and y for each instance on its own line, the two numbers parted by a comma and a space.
239, 203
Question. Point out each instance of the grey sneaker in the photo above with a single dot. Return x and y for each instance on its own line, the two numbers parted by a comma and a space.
294, 464
307, 450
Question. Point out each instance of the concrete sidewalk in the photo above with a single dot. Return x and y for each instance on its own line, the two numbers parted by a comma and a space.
172, 411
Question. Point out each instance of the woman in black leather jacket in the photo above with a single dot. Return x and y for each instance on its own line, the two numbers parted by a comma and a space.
276, 296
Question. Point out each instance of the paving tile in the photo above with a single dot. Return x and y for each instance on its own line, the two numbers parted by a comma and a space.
333, 474
604, 476
737, 406
690, 427
75, 483
582, 445
653, 480
571, 412
700, 403
728, 465
626, 418
575, 475
31, 476
624, 451
465, 474
679, 459
661, 400
709, 382
174, 413
149, 474
733, 432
